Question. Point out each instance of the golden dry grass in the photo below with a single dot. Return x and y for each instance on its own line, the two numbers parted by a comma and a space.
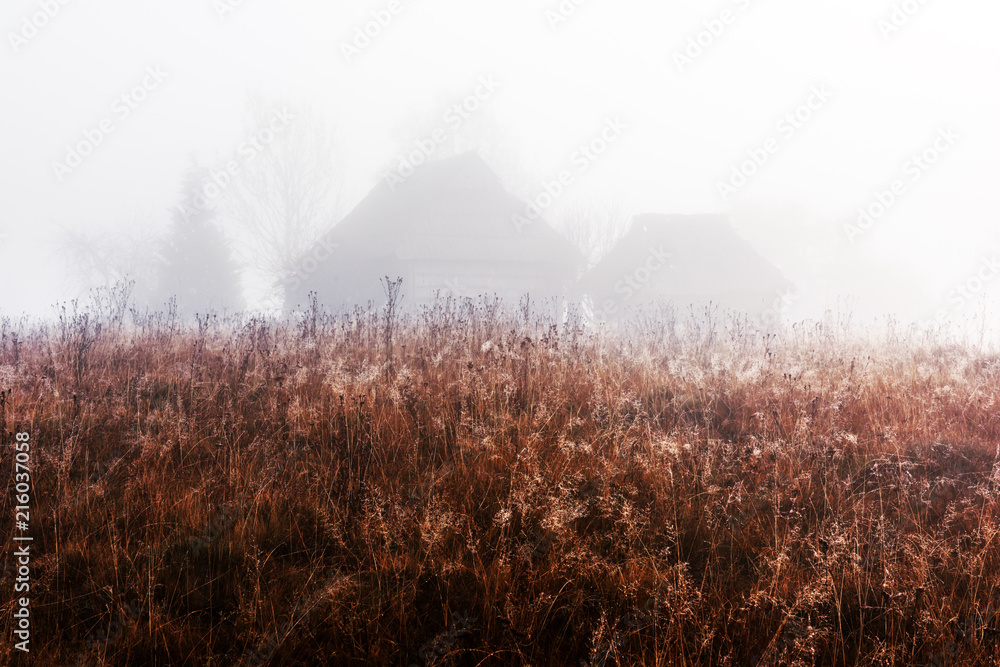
504, 490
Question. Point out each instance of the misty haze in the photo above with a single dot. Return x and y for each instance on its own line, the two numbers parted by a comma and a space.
568, 332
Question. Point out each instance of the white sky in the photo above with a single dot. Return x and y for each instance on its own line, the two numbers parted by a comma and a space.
687, 130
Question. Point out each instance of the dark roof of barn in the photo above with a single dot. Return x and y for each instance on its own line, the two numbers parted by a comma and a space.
706, 256
450, 209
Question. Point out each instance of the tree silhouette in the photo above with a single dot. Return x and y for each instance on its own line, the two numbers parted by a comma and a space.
101, 259
195, 262
288, 193
594, 226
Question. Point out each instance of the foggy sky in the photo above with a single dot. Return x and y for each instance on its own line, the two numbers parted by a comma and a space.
888, 94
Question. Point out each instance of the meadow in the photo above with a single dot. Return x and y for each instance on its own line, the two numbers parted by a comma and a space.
477, 483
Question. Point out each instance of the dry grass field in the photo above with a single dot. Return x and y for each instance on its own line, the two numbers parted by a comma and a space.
481, 485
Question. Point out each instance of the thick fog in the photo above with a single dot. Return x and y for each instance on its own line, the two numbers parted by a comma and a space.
853, 144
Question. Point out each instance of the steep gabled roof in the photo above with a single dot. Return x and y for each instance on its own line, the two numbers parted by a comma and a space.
451, 208
706, 260
451, 215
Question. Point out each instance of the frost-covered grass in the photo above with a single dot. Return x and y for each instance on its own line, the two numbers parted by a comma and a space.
491, 487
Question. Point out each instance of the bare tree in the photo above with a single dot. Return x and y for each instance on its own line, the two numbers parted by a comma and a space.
288, 190
95, 260
594, 227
